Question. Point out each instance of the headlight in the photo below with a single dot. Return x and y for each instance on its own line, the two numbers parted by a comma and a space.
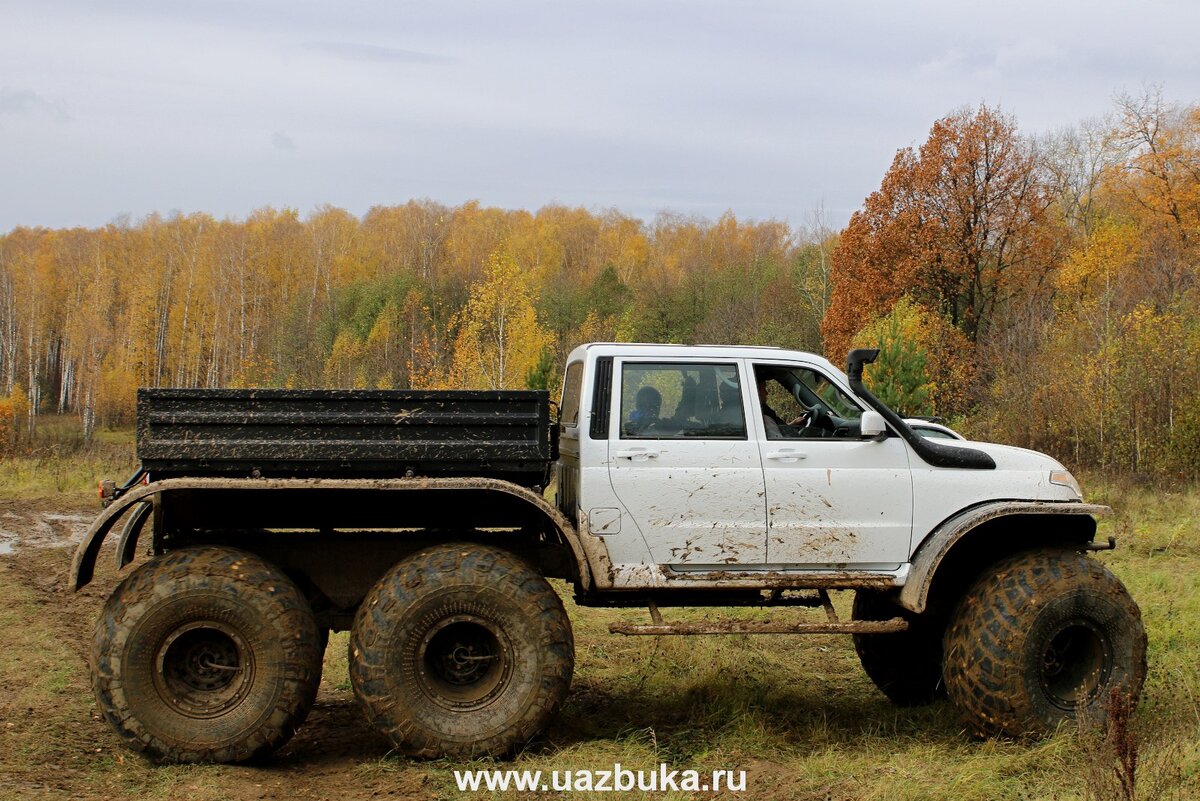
1063, 478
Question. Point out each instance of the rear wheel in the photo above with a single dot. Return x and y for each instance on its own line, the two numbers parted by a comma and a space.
206, 655
1044, 638
905, 666
461, 650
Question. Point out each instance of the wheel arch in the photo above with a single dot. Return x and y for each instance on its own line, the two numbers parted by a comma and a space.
951, 557
460, 494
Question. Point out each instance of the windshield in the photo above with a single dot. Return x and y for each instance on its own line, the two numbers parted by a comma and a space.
802, 388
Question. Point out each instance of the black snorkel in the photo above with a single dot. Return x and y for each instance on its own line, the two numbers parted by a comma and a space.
934, 453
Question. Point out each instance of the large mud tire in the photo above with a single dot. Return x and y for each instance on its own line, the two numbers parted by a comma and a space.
905, 666
1042, 639
461, 651
206, 654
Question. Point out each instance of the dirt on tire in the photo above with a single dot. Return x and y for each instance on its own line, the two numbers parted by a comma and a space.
206, 654
461, 651
1041, 639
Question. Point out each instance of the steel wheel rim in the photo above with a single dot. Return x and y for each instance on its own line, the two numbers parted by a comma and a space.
203, 669
1075, 663
463, 662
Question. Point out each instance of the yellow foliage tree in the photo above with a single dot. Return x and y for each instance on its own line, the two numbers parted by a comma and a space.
499, 338
14, 415
1101, 265
253, 371
343, 368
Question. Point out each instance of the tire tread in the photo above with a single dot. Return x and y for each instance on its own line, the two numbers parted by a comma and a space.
423, 572
256, 580
990, 625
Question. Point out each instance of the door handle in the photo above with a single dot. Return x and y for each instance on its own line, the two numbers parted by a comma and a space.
637, 454
786, 455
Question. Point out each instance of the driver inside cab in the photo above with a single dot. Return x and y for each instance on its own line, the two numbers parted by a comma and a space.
775, 427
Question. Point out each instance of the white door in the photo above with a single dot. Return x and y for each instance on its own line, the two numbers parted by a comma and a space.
834, 500
683, 465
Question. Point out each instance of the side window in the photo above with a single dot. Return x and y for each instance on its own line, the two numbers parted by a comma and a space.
568, 414
801, 403
681, 401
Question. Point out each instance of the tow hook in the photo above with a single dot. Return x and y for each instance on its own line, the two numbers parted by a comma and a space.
1101, 546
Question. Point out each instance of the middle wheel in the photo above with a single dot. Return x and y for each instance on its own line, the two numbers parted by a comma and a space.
461, 650
905, 666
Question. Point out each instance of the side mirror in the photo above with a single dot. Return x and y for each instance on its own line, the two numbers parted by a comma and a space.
871, 424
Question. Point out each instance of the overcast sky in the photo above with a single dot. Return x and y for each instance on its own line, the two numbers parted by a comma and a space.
764, 108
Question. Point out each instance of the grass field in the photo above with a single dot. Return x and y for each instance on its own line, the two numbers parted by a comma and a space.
59, 462
796, 713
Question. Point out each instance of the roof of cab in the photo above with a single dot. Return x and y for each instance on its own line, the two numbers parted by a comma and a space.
714, 351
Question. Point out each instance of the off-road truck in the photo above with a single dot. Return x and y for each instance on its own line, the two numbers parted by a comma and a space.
685, 476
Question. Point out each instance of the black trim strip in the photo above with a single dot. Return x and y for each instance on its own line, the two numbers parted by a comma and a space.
602, 398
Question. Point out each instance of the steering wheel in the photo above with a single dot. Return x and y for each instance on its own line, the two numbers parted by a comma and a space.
819, 418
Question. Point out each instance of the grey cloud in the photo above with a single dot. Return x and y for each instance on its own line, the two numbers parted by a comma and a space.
958, 61
13, 102
763, 107
281, 141
23, 101
357, 51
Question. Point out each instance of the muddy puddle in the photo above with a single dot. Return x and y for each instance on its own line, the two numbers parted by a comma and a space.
34, 528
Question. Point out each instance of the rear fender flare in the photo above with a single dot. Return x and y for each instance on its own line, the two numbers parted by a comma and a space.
84, 563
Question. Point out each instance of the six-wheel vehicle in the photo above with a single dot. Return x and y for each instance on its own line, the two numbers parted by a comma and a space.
685, 476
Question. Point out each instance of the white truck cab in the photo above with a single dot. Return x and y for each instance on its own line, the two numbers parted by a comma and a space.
731, 475
705, 465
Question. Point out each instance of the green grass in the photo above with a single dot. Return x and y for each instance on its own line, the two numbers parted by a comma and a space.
78, 474
801, 717
57, 461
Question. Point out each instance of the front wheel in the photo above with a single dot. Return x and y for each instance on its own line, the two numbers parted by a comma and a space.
462, 651
1043, 638
206, 654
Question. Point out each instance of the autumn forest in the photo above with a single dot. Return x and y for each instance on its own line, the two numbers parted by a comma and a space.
1042, 291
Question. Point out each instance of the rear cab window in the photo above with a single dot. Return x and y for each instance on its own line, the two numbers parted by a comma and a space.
661, 400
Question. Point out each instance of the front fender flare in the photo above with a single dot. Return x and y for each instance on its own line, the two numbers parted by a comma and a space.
84, 563
934, 549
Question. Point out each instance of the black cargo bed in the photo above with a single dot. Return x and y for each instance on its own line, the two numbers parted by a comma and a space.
344, 433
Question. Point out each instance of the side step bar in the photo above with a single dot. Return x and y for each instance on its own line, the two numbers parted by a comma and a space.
764, 627
830, 626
